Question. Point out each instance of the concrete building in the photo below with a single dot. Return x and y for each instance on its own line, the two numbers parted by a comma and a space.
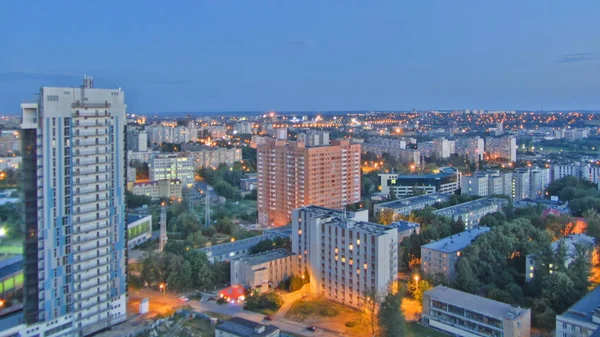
582, 319
578, 169
10, 163
521, 184
446, 181
156, 189
472, 147
173, 166
471, 212
240, 327
74, 195
291, 175
406, 229
444, 147
344, 257
407, 205
266, 270
467, 315
239, 248
476, 184
440, 257
137, 140
314, 138
501, 147
11, 276
571, 244
209, 156
139, 229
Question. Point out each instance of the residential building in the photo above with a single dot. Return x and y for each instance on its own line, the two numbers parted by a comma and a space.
501, 147
10, 142
137, 139
406, 229
266, 270
576, 134
74, 210
476, 184
139, 229
345, 257
11, 275
236, 249
471, 212
210, 156
582, 319
10, 163
578, 169
444, 147
571, 244
407, 205
439, 258
249, 183
157, 189
314, 138
472, 147
291, 175
467, 315
240, 327
446, 181
173, 166
521, 184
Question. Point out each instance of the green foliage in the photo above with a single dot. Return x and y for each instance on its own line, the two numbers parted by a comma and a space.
268, 244
581, 194
329, 312
416, 290
351, 324
135, 201
270, 301
225, 180
391, 319
385, 216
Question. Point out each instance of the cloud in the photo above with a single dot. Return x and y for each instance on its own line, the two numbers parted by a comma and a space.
576, 57
28, 76
301, 43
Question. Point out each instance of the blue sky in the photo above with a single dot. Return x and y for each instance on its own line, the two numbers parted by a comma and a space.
305, 55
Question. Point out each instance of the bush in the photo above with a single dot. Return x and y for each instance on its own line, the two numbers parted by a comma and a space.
221, 300
329, 312
351, 324
271, 301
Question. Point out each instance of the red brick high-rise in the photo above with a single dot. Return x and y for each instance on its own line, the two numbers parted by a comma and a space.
291, 175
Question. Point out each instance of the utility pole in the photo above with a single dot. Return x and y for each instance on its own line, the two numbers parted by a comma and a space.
162, 240
207, 207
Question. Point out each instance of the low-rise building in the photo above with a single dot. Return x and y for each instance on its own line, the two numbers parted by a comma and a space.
344, 257
471, 212
139, 229
11, 275
571, 244
406, 229
236, 249
439, 258
407, 205
240, 327
10, 163
265, 270
582, 318
467, 315
446, 181
157, 189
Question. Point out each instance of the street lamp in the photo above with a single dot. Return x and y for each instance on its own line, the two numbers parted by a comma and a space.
2, 232
163, 288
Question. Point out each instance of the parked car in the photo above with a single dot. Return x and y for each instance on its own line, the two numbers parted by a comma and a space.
184, 299
268, 318
311, 328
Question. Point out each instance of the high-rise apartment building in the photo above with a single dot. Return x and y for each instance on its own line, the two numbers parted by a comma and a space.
291, 175
502, 147
344, 256
74, 203
173, 166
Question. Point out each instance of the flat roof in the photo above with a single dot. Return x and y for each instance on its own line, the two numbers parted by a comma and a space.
456, 242
131, 218
11, 320
420, 199
10, 266
361, 226
404, 225
470, 206
228, 247
444, 172
475, 303
265, 256
584, 308
243, 327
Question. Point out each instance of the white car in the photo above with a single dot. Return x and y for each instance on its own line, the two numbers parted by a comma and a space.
184, 299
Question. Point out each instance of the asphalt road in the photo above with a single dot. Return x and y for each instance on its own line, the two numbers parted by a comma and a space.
160, 303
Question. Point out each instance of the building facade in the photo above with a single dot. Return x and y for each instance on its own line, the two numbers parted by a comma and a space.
582, 319
139, 229
171, 189
471, 212
501, 147
264, 271
439, 258
446, 181
467, 315
74, 195
173, 166
345, 258
292, 175
407, 205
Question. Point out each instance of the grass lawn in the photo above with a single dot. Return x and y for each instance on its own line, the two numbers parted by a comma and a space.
302, 309
417, 330
11, 249
217, 315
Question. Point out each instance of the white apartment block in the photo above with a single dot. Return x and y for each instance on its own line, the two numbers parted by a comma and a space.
502, 147
471, 212
156, 189
578, 169
444, 147
407, 205
345, 257
74, 196
264, 271
173, 166
10, 163
519, 184
215, 156
473, 147
582, 319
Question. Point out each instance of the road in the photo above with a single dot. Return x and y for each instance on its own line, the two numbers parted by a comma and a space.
160, 303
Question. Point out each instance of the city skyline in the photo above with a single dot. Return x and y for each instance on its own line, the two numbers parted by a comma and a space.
313, 56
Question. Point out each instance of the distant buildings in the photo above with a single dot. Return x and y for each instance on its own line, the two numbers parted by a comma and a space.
407, 205
139, 229
571, 244
10, 163
522, 183
240, 327
236, 249
406, 229
439, 258
501, 147
582, 319
157, 189
471, 212
578, 169
472, 147
209, 156
446, 181
264, 271
394, 147
173, 166
463, 314
291, 175
345, 257
444, 147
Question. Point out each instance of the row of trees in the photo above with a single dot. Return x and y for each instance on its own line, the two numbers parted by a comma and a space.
580, 194
383, 313
225, 180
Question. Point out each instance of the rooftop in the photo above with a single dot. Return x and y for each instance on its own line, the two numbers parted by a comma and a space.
444, 172
456, 242
475, 303
131, 218
265, 256
420, 199
584, 309
11, 265
243, 327
470, 206
244, 244
361, 226
404, 225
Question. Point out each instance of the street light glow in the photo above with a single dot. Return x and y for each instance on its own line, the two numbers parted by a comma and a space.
2, 232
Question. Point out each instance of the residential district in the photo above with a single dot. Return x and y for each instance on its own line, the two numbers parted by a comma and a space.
411, 223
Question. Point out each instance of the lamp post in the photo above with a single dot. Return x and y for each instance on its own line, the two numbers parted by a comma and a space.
163, 288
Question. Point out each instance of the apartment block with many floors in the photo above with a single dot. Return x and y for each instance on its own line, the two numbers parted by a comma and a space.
291, 175
74, 203
345, 257
582, 319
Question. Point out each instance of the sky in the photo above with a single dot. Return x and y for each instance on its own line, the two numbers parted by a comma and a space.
307, 55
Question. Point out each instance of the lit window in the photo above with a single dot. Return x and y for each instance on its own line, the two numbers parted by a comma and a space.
343, 260
530, 267
457, 253
299, 232
365, 266
358, 242
336, 250
351, 247
530, 275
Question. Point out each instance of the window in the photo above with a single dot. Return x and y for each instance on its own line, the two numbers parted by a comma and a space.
52, 98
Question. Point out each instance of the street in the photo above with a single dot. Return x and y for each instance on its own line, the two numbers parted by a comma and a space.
161, 303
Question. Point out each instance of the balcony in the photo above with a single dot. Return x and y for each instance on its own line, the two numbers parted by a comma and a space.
85, 105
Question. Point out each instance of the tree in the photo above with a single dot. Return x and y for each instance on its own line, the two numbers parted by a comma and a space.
418, 288
393, 195
391, 319
385, 216
371, 309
